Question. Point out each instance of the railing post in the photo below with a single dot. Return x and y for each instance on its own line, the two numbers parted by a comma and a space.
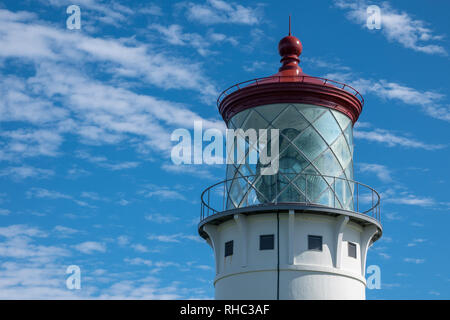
357, 197
334, 192
276, 191
372, 204
223, 196
306, 189
209, 203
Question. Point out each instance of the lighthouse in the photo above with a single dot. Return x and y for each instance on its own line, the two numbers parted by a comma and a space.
304, 231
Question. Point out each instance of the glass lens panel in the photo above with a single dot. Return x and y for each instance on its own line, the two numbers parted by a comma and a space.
311, 113
310, 143
342, 119
341, 151
328, 127
328, 164
290, 118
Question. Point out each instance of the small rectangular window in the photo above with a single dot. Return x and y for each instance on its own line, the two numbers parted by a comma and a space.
352, 250
315, 243
266, 242
228, 248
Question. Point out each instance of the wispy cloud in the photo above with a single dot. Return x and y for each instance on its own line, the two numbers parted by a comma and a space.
161, 218
4, 212
429, 102
24, 172
162, 192
90, 247
391, 139
381, 171
414, 260
98, 112
217, 11
174, 35
174, 238
397, 26
195, 170
415, 242
42, 193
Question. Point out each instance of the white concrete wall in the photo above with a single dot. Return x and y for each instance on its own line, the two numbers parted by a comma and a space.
252, 274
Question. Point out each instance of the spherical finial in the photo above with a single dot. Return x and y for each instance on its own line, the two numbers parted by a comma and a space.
290, 49
290, 45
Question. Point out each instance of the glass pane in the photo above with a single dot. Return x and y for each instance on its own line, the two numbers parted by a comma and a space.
271, 111
290, 118
310, 143
341, 151
348, 132
238, 119
341, 118
255, 122
349, 171
311, 113
328, 164
328, 127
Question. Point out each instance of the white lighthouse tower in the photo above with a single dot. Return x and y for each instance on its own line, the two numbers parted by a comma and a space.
304, 232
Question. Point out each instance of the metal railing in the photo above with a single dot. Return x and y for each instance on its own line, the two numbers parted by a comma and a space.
363, 199
301, 79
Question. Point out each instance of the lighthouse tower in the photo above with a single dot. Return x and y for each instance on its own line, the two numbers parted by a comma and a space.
303, 232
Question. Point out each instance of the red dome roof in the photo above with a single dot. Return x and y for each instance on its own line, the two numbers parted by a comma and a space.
290, 85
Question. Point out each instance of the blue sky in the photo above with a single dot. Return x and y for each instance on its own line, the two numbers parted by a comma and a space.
86, 115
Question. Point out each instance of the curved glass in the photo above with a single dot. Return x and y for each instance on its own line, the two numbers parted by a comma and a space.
315, 146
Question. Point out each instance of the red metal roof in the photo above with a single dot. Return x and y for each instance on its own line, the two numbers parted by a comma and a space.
292, 85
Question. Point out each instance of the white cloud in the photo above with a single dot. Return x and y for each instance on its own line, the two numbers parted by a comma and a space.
414, 242
174, 238
397, 26
24, 172
255, 65
174, 35
392, 216
139, 247
382, 172
411, 199
63, 98
90, 247
429, 102
19, 244
65, 231
392, 140
384, 255
107, 12
162, 192
217, 11
139, 261
42, 193
22, 143
414, 260
397, 194
161, 218
21, 230
193, 169
4, 212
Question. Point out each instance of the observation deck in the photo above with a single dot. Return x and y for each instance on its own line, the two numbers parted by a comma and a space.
217, 205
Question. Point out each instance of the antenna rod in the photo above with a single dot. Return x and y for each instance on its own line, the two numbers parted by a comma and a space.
289, 24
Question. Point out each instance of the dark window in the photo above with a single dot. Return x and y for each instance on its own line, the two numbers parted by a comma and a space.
315, 243
266, 242
352, 250
228, 248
